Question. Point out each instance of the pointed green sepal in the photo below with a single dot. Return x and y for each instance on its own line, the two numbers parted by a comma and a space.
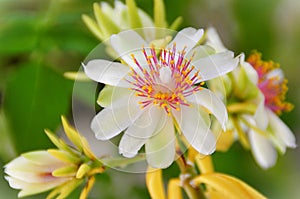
106, 25
64, 156
71, 133
176, 23
159, 14
65, 189
59, 143
134, 18
93, 26
67, 171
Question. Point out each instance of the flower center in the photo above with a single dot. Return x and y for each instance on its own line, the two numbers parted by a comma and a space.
165, 81
271, 83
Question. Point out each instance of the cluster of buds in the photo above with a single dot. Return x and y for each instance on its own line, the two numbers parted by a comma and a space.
62, 169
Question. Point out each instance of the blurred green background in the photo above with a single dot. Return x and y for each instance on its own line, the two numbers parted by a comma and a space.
40, 40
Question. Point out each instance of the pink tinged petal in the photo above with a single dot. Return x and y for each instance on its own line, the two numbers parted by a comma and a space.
33, 188
282, 131
186, 38
211, 102
137, 134
127, 43
107, 72
215, 65
262, 149
196, 130
43, 158
113, 119
160, 149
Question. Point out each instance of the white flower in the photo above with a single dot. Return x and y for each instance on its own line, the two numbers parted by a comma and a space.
164, 91
111, 20
262, 84
32, 173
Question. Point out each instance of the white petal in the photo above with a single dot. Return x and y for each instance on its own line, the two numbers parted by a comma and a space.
200, 51
195, 129
160, 149
127, 43
210, 101
282, 131
214, 40
109, 94
215, 65
112, 120
137, 134
260, 116
188, 37
262, 149
129, 146
107, 72
150, 120
250, 71
33, 188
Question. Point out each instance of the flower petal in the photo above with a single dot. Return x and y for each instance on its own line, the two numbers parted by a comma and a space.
137, 134
260, 116
129, 146
210, 101
107, 72
215, 65
282, 131
151, 120
214, 40
160, 149
33, 188
128, 43
110, 94
112, 120
186, 38
263, 151
195, 130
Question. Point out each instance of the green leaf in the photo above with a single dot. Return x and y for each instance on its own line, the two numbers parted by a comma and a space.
18, 35
35, 98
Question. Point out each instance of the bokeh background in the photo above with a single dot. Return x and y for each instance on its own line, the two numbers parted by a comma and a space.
40, 40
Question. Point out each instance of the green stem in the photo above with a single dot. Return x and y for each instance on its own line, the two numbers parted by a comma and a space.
121, 162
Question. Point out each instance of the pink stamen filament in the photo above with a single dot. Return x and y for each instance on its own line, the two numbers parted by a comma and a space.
147, 84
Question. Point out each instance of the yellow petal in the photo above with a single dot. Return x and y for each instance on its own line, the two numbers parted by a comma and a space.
204, 164
174, 189
87, 149
225, 140
83, 170
71, 133
228, 186
87, 188
154, 183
